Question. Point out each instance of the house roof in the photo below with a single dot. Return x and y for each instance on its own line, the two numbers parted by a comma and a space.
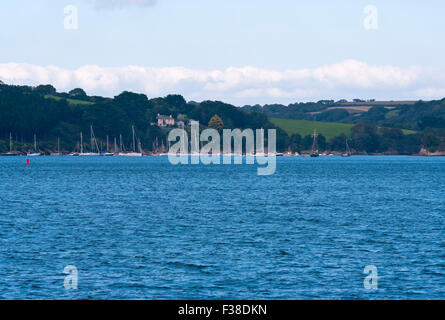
160, 116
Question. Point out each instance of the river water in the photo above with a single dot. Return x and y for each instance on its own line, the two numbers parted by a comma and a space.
141, 228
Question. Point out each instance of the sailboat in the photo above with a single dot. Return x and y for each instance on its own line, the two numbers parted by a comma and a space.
120, 150
116, 152
170, 153
93, 145
314, 152
10, 153
195, 153
261, 152
58, 149
34, 152
348, 150
108, 153
132, 153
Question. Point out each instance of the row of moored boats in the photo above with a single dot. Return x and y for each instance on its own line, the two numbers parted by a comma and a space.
120, 152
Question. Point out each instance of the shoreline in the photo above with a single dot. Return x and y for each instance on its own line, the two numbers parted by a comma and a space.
304, 154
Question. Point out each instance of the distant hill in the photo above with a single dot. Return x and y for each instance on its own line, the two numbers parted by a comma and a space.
426, 116
25, 111
327, 129
305, 127
373, 127
362, 107
69, 100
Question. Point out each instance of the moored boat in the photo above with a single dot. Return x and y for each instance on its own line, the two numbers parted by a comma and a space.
34, 153
93, 146
348, 150
58, 153
314, 152
132, 153
10, 153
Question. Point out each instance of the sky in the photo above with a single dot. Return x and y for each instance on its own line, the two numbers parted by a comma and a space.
237, 51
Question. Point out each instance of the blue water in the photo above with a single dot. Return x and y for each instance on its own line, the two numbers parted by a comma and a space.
144, 229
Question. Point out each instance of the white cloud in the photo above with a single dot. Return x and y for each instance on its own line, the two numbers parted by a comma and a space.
348, 79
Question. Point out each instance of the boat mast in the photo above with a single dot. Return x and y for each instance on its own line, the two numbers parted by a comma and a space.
81, 143
314, 144
187, 146
10, 142
115, 145
35, 142
134, 145
91, 138
94, 141
107, 144
58, 145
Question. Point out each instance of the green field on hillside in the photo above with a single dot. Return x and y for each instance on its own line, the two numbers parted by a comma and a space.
70, 101
304, 127
327, 129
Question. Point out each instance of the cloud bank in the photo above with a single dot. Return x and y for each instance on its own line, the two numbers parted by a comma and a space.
241, 85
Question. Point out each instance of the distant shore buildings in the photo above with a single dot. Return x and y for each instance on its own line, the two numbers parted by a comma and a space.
164, 121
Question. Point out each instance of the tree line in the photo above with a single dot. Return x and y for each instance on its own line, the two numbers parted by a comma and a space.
27, 111
424, 116
370, 139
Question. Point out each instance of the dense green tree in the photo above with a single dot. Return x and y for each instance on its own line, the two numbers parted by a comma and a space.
432, 122
307, 142
337, 143
45, 89
295, 142
365, 137
77, 93
392, 133
430, 142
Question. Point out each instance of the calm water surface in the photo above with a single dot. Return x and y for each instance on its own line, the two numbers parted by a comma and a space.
144, 229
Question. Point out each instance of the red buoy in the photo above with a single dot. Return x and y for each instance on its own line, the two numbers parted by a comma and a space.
27, 162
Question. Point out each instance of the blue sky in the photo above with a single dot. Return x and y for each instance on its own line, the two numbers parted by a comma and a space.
240, 51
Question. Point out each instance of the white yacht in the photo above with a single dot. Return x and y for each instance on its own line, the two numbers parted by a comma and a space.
34, 153
10, 153
132, 153
93, 145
